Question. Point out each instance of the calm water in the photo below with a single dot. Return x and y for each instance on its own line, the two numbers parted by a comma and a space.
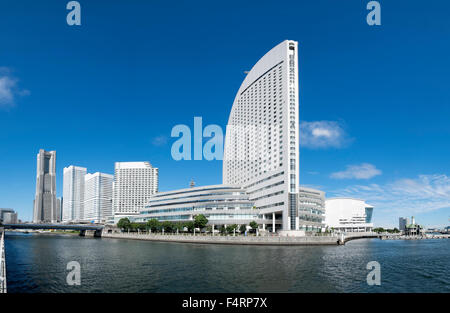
37, 263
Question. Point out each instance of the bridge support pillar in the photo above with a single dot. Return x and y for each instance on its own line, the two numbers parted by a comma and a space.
341, 240
91, 233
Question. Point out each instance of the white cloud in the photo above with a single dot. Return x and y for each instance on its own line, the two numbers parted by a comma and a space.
9, 88
322, 134
159, 140
358, 171
404, 197
6, 93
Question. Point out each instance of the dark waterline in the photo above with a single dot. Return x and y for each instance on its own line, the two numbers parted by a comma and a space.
37, 263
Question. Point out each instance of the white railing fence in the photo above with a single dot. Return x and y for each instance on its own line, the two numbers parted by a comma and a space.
2, 263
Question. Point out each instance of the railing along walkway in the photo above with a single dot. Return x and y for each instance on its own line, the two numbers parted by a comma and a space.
2, 263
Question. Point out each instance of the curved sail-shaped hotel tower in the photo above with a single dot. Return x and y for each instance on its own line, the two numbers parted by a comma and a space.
261, 154
261, 144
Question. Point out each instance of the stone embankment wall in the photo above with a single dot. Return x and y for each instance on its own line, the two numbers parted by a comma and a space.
238, 240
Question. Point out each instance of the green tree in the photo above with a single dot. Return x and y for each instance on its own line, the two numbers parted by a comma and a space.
222, 229
253, 225
189, 225
231, 228
154, 225
137, 226
379, 230
179, 226
200, 221
168, 226
243, 228
124, 223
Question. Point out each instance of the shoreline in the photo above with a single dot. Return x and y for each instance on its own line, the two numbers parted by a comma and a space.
42, 233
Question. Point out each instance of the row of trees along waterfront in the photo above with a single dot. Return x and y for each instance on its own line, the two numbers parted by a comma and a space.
382, 230
200, 222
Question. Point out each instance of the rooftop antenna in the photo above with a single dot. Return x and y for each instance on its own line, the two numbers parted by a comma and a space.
246, 72
192, 183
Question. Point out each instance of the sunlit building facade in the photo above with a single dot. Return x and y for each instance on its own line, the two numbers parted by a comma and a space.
98, 197
220, 204
348, 215
311, 208
134, 184
73, 193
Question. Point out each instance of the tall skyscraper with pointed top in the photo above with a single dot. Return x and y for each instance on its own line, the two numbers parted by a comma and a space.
45, 205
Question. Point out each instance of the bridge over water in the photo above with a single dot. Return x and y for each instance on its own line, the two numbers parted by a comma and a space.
95, 230
343, 238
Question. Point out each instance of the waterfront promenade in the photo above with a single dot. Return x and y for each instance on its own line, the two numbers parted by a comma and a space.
232, 240
276, 240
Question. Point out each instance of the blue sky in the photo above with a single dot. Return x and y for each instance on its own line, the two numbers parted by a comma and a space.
374, 102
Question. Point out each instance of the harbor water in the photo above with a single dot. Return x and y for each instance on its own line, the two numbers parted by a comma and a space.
38, 263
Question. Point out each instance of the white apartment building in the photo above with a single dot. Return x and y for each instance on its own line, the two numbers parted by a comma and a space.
134, 184
8, 217
262, 139
348, 215
73, 193
98, 197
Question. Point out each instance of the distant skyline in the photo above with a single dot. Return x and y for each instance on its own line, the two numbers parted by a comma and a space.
374, 100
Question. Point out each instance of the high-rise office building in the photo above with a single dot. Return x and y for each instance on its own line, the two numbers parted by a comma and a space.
98, 197
44, 206
73, 193
60, 201
262, 139
134, 183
